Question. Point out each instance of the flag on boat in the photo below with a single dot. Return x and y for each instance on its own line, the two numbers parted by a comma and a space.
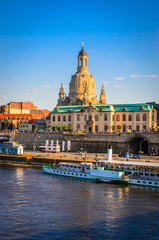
63, 146
69, 145
52, 143
47, 144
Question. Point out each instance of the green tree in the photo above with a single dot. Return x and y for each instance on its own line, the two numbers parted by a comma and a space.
53, 127
69, 127
63, 127
113, 127
119, 127
58, 127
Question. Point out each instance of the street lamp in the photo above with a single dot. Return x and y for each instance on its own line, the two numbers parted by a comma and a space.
34, 146
82, 142
140, 147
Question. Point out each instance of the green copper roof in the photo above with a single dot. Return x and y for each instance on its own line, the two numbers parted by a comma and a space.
104, 108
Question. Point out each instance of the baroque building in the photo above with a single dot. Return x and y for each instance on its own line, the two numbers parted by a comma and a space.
82, 87
81, 110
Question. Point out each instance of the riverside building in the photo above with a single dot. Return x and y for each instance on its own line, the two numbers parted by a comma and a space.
82, 111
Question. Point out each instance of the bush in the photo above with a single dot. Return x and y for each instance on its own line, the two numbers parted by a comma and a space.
58, 127
53, 127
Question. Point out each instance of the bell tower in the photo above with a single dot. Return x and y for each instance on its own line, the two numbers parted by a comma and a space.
82, 60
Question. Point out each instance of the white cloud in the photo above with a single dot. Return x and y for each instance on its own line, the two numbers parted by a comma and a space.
106, 83
119, 86
46, 86
119, 79
151, 76
35, 89
142, 75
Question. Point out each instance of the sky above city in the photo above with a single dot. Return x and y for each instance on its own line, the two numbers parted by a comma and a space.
40, 42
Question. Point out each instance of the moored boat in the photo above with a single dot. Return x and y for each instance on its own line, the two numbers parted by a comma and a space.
86, 171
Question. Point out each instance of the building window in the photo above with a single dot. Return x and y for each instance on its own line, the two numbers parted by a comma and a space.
85, 127
96, 128
130, 117
144, 127
96, 117
85, 62
85, 117
124, 117
90, 117
130, 127
144, 117
64, 118
124, 128
118, 117
105, 117
53, 118
113, 118
59, 118
137, 117
152, 117
105, 128
78, 117
69, 118
78, 127
138, 128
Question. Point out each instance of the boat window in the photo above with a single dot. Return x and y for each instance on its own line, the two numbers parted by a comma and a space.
156, 183
87, 168
72, 173
71, 166
85, 175
157, 175
79, 167
138, 181
141, 173
146, 174
144, 181
57, 171
64, 172
68, 173
60, 172
152, 174
76, 174
80, 174
75, 167
150, 182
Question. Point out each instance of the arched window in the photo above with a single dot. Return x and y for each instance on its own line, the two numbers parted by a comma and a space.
152, 117
64, 118
118, 117
144, 127
96, 128
130, 117
138, 128
85, 117
85, 62
90, 117
80, 62
137, 117
105, 117
124, 117
59, 118
96, 117
144, 117
105, 128
78, 127
53, 118
124, 128
69, 118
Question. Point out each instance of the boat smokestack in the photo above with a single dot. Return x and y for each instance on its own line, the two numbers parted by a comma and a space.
110, 153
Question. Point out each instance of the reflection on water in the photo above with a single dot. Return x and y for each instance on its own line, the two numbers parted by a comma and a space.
38, 206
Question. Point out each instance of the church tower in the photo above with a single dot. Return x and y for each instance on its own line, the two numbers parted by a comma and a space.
102, 96
61, 96
82, 87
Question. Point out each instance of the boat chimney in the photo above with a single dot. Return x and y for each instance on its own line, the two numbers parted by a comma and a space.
110, 153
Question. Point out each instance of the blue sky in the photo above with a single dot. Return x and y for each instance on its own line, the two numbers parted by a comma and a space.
40, 42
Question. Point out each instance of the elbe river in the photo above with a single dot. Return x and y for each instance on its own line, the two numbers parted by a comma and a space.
34, 205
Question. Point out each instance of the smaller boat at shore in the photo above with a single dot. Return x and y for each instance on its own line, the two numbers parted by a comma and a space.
49, 149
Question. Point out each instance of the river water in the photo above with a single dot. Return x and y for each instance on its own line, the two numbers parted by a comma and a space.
34, 205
